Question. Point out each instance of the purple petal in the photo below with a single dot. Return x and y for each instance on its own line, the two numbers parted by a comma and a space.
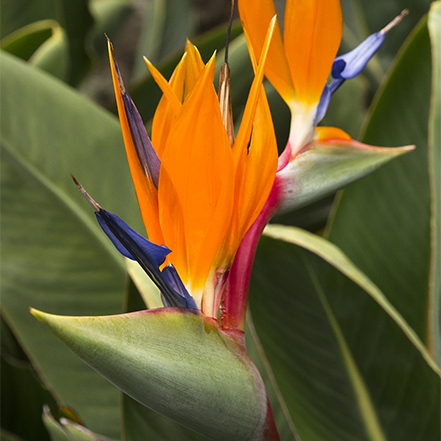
147, 156
351, 64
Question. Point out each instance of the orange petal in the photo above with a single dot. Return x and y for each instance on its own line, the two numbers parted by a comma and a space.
312, 35
246, 125
256, 16
330, 133
198, 178
145, 190
195, 66
165, 114
254, 182
167, 90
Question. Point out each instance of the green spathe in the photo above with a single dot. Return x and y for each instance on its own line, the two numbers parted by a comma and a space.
176, 363
323, 167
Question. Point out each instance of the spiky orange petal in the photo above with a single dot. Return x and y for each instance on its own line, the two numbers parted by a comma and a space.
256, 16
194, 66
198, 178
165, 115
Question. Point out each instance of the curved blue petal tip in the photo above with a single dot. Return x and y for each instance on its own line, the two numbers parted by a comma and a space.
351, 64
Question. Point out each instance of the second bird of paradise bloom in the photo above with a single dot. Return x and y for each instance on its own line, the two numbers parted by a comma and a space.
205, 196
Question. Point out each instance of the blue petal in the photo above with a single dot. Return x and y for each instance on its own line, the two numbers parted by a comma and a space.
323, 105
351, 64
156, 253
149, 255
148, 158
172, 278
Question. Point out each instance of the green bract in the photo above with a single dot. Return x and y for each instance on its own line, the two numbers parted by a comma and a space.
176, 363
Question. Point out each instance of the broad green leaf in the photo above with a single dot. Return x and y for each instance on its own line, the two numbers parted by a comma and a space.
109, 17
55, 429
323, 167
54, 255
434, 24
44, 44
18, 13
78, 22
340, 361
66, 430
52, 55
25, 41
383, 221
166, 26
175, 362
22, 399
8, 436
73, 16
334, 256
285, 425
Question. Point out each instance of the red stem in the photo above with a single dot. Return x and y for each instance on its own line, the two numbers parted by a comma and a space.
235, 295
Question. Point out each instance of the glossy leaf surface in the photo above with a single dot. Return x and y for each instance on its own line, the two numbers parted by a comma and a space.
383, 222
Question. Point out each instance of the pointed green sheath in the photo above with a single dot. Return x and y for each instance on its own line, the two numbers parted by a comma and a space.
323, 167
176, 363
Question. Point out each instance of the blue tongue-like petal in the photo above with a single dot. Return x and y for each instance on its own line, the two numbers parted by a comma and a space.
351, 64
155, 253
149, 255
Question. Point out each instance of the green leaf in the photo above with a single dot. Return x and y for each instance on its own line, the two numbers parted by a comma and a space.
54, 428
18, 13
175, 362
74, 17
341, 363
334, 256
54, 255
383, 222
22, 399
325, 166
166, 26
8, 436
109, 17
44, 44
66, 430
434, 24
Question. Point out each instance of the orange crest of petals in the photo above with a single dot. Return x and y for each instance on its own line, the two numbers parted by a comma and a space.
196, 183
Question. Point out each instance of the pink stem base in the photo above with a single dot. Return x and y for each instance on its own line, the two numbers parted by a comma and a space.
235, 295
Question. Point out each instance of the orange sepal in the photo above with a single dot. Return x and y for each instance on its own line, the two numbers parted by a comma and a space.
165, 114
146, 192
256, 16
323, 133
194, 66
254, 183
198, 178
312, 35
